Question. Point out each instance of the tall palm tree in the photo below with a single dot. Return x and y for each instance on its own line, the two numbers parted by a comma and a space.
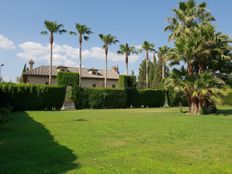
108, 40
127, 50
52, 28
163, 54
82, 32
147, 47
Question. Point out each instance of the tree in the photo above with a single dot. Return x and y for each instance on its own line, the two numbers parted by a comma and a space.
127, 51
107, 40
198, 46
142, 74
147, 47
82, 32
52, 28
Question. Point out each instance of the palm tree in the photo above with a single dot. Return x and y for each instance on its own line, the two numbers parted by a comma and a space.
127, 50
107, 40
147, 47
163, 55
82, 32
52, 28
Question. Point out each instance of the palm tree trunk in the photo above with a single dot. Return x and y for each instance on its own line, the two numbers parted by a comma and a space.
50, 69
80, 65
127, 65
147, 85
106, 71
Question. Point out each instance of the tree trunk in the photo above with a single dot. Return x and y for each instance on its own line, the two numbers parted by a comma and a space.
126, 64
190, 69
51, 53
195, 107
106, 53
147, 85
80, 66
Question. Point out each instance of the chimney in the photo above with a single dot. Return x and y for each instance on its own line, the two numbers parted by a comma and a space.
115, 69
31, 63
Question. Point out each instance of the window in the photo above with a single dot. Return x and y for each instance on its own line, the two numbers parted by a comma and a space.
94, 85
46, 83
113, 86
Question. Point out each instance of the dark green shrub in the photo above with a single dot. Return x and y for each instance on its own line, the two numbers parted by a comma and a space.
175, 99
31, 97
227, 100
145, 97
126, 82
68, 79
99, 98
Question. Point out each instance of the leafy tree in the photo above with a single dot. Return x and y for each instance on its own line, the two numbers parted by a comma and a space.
107, 40
127, 51
52, 28
142, 74
82, 32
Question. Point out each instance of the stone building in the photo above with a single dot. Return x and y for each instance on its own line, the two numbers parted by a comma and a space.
91, 77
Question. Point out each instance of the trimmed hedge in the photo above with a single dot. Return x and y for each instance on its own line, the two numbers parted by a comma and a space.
99, 98
68, 79
117, 98
31, 97
126, 82
145, 97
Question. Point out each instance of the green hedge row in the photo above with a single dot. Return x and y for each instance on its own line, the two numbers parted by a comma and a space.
31, 97
68, 79
126, 82
116, 98
145, 98
98, 98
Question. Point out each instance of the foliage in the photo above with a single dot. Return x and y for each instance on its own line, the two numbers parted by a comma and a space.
31, 97
204, 52
145, 98
68, 79
126, 82
99, 98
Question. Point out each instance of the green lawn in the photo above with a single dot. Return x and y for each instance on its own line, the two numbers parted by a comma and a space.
117, 141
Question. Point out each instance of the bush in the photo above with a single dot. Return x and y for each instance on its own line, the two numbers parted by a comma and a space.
126, 82
68, 79
228, 99
31, 97
145, 97
99, 98
174, 99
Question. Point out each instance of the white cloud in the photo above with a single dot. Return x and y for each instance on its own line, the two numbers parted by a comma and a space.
6, 43
66, 54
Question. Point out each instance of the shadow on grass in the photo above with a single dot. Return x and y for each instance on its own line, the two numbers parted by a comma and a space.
26, 146
225, 112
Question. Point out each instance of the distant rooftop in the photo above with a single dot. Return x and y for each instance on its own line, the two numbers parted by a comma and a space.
86, 72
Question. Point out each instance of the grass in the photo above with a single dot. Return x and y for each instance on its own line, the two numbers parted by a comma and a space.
143, 141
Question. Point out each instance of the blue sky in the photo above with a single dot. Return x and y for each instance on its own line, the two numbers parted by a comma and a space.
130, 21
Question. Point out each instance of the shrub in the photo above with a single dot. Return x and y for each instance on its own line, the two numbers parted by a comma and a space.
228, 99
99, 98
126, 82
175, 98
145, 97
31, 97
68, 79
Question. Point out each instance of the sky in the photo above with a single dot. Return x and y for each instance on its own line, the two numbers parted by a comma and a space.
131, 21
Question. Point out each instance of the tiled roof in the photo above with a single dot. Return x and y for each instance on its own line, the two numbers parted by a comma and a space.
44, 71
